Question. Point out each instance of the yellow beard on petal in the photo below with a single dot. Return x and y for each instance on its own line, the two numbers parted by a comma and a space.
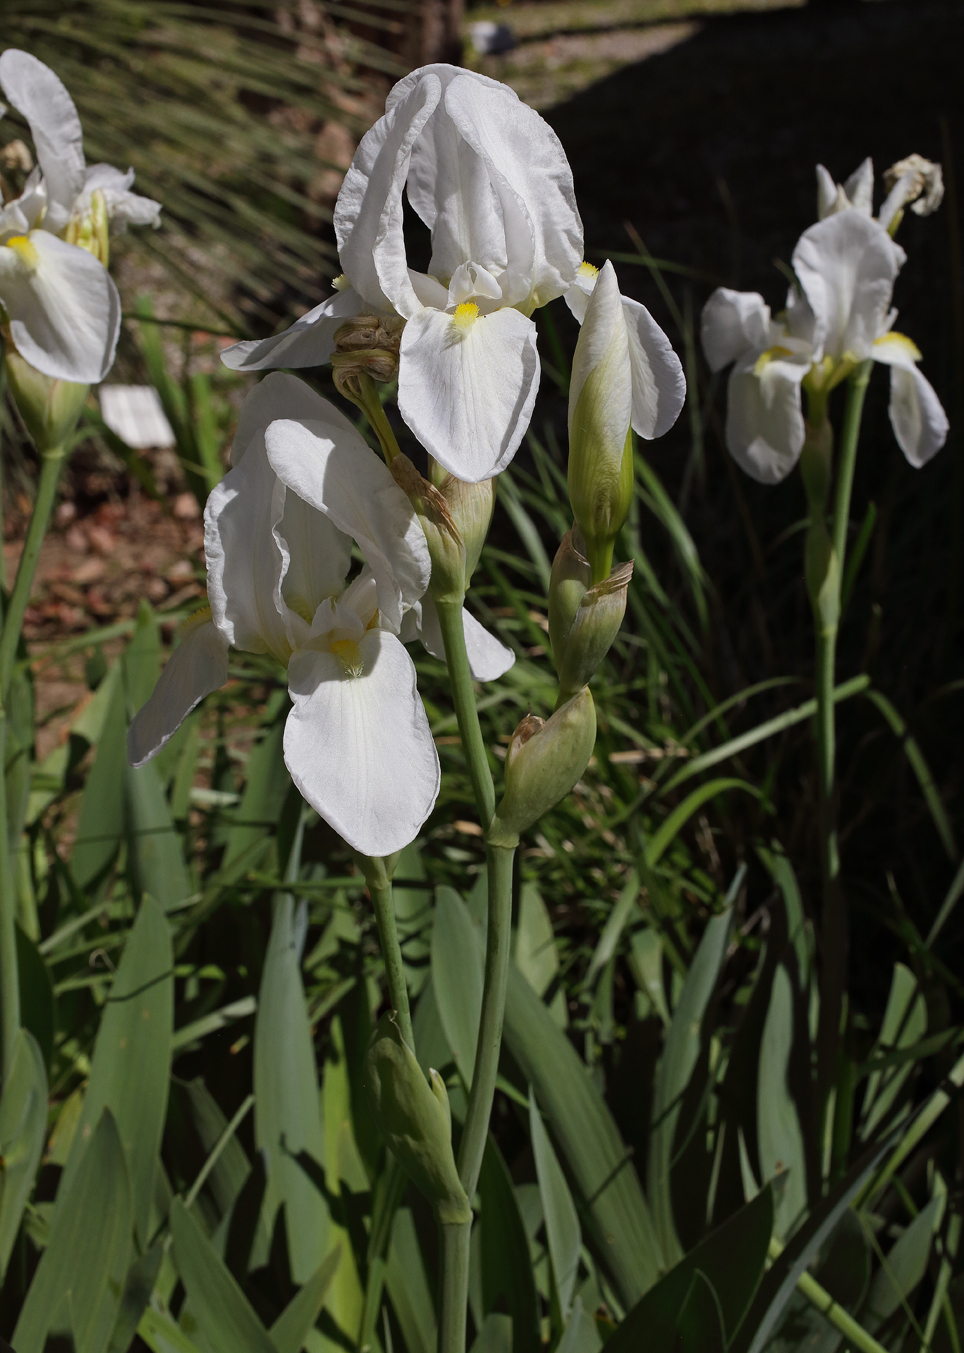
25, 250
350, 655
465, 315
587, 270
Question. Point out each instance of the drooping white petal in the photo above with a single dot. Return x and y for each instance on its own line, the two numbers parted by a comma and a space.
124, 208
64, 310
468, 392
659, 386
764, 419
359, 747
246, 560
860, 187
489, 658
368, 213
198, 666
732, 323
324, 460
895, 200
847, 266
41, 97
916, 415
310, 341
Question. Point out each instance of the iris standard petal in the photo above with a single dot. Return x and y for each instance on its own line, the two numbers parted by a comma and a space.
64, 310
41, 97
325, 461
310, 341
198, 666
733, 322
847, 265
489, 658
659, 386
467, 392
359, 747
764, 419
917, 417
368, 213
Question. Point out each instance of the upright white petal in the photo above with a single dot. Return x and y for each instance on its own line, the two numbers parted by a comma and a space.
325, 462
659, 386
764, 418
826, 193
124, 208
64, 310
489, 658
310, 341
359, 747
602, 353
368, 213
733, 322
39, 96
198, 666
860, 187
468, 392
847, 266
316, 557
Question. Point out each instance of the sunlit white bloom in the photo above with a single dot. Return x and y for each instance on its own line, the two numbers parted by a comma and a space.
846, 266
63, 308
490, 180
658, 383
913, 180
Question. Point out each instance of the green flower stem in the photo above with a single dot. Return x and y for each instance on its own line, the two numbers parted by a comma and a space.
9, 974
821, 1300
384, 906
856, 390
455, 1287
374, 410
51, 465
463, 697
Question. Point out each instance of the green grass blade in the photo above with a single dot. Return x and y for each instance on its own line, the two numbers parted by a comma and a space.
23, 1127
920, 768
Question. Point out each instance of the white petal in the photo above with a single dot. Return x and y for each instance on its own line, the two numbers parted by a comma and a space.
488, 656
368, 213
198, 666
860, 187
847, 266
359, 748
247, 556
124, 208
37, 93
64, 310
897, 197
468, 394
310, 341
659, 386
577, 297
324, 460
764, 419
826, 192
732, 323
601, 387
919, 422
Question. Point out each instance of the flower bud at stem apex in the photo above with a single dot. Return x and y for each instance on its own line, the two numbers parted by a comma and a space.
543, 762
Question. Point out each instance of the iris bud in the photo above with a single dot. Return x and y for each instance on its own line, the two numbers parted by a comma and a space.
366, 345
442, 535
583, 621
600, 438
415, 1120
471, 506
49, 407
543, 762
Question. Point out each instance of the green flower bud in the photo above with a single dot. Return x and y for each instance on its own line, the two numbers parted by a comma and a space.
600, 438
570, 580
415, 1119
471, 506
442, 535
49, 407
594, 627
543, 762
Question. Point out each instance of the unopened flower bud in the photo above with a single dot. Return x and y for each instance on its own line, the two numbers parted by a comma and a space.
91, 230
49, 407
366, 344
600, 409
543, 762
570, 580
415, 1120
443, 537
595, 625
471, 506
922, 184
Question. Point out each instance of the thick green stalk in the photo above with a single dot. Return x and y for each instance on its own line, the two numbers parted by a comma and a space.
384, 906
849, 437
463, 697
9, 974
455, 1287
50, 467
821, 1299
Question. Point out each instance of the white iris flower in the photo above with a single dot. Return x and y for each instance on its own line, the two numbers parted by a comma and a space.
62, 307
489, 178
840, 315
